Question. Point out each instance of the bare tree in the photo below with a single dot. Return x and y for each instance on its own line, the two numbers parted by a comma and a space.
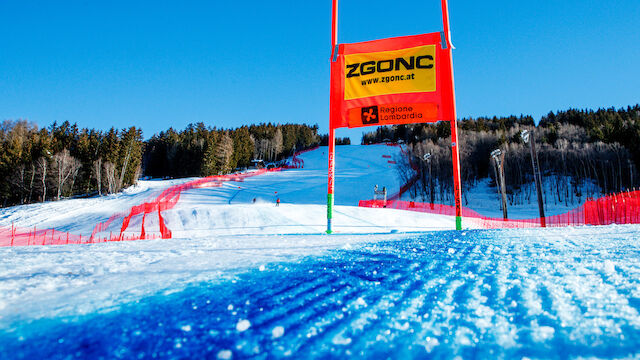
97, 173
110, 175
124, 168
76, 166
261, 149
277, 144
223, 153
43, 165
32, 177
65, 166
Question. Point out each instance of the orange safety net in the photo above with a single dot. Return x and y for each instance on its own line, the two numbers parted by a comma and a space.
621, 208
109, 231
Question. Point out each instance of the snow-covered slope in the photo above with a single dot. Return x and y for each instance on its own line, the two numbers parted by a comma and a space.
533, 293
228, 286
230, 210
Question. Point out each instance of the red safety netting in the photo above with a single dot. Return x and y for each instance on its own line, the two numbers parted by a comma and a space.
296, 162
622, 208
18, 236
118, 226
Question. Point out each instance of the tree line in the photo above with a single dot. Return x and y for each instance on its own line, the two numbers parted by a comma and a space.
324, 140
582, 153
62, 160
199, 150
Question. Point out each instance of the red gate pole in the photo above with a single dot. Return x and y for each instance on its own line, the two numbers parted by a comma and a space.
332, 142
330, 185
457, 191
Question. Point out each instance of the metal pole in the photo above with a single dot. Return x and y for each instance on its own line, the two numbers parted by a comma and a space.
503, 188
431, 193
334, 27
537, 178
495, 172
457, 188
332, 138
384, 192
330, 186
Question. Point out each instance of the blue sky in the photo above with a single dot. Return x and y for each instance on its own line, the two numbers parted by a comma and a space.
161, 64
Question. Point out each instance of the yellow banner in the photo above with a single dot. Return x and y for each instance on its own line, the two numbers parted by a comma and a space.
390, 72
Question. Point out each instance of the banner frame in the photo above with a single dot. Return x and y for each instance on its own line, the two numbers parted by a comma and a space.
446, 45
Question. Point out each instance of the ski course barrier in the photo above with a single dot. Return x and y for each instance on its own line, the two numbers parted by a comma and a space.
297, 163
621, 208
114, 230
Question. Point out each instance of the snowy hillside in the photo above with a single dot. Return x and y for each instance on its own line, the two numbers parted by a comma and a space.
539, 293
229, 209
252, 280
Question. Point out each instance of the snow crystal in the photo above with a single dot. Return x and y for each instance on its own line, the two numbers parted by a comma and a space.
186, 328
277, 332
242, 325
464, 336
339, 339
451, 251
225, 354
360, 302
609, 267
262, 268
542, 333
313, 331
431, 343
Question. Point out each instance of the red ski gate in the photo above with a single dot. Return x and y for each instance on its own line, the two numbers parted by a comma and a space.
400, 80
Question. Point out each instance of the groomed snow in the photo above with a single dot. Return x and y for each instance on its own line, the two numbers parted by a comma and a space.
229, 210
538, 293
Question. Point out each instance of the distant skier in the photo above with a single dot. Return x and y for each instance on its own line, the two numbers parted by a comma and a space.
254, 200
278, 202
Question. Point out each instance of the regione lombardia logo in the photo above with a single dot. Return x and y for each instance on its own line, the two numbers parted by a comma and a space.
370, 115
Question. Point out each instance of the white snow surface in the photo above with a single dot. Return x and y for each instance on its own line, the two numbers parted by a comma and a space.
214, 229
578, 279
229, 210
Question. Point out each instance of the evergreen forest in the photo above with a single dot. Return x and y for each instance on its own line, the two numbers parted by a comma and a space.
581, 153
62, 160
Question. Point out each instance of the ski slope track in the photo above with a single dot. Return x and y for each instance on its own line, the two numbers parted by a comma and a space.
226, 207
251, 280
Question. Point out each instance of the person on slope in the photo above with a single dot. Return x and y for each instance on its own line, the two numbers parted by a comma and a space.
278, 202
